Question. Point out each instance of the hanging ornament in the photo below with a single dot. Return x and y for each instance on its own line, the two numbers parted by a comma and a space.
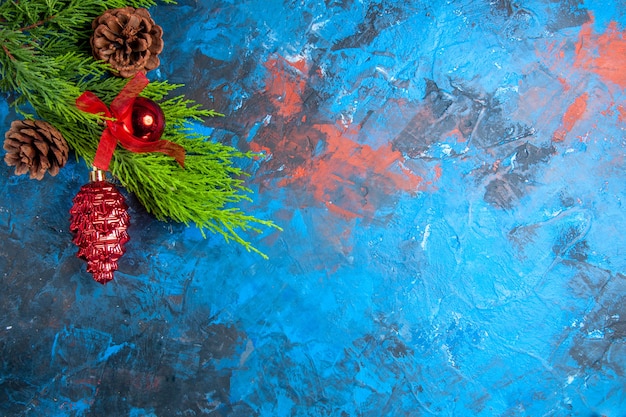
99, 220
129, 117
147, 120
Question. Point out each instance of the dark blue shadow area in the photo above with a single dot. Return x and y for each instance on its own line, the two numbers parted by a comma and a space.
450, 181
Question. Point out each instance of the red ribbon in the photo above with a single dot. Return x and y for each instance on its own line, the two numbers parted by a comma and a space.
120, 117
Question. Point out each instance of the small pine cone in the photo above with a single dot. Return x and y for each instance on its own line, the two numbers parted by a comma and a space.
128, 39
35, 146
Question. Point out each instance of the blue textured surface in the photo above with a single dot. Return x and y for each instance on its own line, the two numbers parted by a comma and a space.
450, 180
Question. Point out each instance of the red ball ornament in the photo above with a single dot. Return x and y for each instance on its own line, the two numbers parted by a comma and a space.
147, 120
99, 221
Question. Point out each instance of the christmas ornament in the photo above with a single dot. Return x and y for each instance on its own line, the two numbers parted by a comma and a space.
128, 40
147, 120
35, 146
121, 124
99, 221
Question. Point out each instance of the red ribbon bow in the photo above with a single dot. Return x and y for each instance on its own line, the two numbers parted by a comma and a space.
116, 130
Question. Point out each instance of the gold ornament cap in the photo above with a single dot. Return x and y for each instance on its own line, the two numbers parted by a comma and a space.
97, 175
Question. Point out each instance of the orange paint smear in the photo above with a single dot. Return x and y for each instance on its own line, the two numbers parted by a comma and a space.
622, 113
346, 176
572, 115
564, 83
603, 54
438, 172
285, 85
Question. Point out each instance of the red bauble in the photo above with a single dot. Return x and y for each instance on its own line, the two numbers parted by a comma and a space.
147, 120
99, 221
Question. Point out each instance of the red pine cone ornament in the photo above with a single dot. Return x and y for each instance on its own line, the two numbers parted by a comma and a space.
99, 221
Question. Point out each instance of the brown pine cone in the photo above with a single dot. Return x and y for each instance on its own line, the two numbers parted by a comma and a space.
35, 146
128, 39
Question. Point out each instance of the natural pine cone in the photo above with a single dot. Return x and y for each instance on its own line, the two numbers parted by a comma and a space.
128, 39
35, 146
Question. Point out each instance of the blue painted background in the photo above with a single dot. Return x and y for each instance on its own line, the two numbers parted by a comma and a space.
450, 180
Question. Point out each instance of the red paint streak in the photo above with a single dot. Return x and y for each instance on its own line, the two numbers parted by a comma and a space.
438, 172
572, 115
564, 83
457, 135
352, 179
299, 64
340, 211
285, 85
604, 54
575, 111
622, 113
